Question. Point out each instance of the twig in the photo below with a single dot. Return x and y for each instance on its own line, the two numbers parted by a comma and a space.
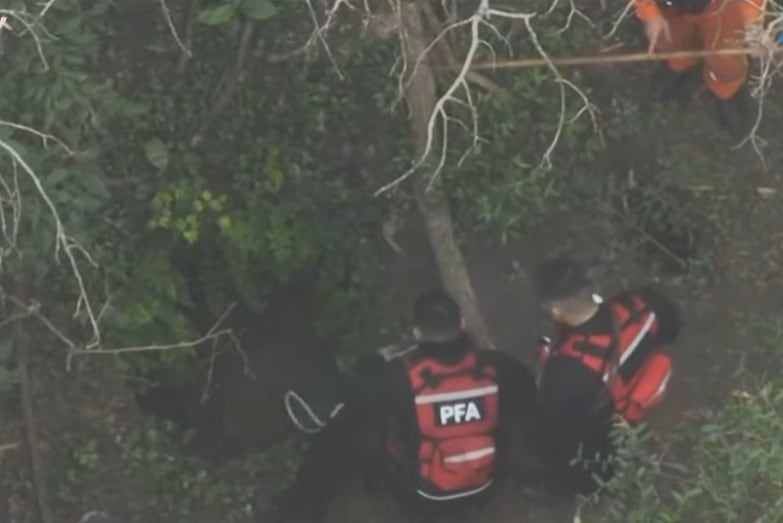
228, 84
31, 428
210, 371
320, 30
640, 230
34, 309
213, 335
170, 22
616, 25
5, 447
30, 24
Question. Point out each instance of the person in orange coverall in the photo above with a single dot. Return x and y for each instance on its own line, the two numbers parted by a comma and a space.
678, 25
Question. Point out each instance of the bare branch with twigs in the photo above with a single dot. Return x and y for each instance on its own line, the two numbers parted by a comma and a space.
64, 243
33, 25
574, 12
764, 43
458, 92
214, 334
619, 20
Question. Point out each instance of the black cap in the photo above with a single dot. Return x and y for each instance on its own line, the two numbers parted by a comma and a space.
559, 279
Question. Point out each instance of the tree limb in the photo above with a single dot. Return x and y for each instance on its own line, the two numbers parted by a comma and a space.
430, 198
31, 429
228, 84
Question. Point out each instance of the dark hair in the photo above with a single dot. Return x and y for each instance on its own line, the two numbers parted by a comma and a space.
438, 317
558, 279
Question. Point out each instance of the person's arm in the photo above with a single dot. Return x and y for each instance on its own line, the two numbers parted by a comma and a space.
656, 27
379, 390
517, 385
667, 313
568, 396
647, 10
518, 413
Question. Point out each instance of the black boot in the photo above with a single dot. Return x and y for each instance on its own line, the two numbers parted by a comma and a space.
735, 114
666, 82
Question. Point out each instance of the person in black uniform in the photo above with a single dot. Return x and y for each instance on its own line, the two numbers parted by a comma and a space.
604, 364
434, 427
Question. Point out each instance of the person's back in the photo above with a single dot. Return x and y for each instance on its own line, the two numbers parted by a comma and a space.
430, 425
465, 404
606, 362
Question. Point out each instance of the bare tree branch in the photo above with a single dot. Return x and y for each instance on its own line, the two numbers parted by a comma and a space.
167, 15
63, 242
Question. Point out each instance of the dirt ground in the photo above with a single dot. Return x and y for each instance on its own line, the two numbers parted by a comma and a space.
717, 345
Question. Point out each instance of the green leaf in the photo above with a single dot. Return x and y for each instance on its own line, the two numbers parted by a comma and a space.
258, 9
157, 153
217, 15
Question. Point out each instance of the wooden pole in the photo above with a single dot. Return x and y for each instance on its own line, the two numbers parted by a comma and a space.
607, 59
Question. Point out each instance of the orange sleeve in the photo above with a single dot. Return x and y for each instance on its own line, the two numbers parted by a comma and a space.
647, 9
752, 10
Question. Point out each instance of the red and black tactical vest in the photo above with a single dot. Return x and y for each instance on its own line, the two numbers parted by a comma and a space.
635, 370
457, 414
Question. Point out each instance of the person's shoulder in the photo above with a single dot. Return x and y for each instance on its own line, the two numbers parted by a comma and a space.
651, 296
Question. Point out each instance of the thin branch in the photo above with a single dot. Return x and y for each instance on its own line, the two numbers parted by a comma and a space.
619, 20
227, 86
30, 24
320, 30
45, 10
765, 46
574, 13
31, 429
45, 137
167, 15
34, 309
214, 334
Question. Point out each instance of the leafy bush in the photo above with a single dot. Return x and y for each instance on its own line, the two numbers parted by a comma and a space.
733, 466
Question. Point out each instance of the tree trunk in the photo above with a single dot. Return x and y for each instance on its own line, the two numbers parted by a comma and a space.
432, 202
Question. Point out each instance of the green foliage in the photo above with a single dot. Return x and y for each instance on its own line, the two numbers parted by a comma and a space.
633, 493
740, 458
735, 463
258, 10
737, 460
181, 488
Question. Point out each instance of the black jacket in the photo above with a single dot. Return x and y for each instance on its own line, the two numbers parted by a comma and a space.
569, 390
385, 393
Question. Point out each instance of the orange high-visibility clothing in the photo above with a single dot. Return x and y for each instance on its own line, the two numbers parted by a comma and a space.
721, 25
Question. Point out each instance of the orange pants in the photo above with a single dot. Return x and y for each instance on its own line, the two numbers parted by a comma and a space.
720, 26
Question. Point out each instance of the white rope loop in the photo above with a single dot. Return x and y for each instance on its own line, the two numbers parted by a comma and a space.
316, 424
